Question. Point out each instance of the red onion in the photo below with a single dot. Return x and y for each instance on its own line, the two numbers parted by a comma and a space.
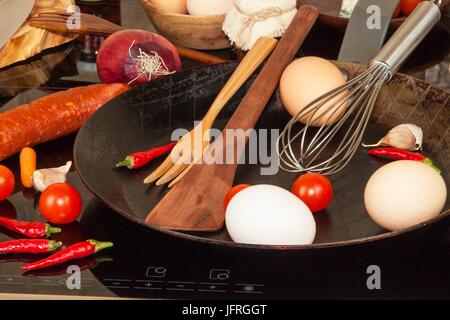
136, 56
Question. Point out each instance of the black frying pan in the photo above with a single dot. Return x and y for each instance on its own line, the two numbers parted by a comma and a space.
145, 116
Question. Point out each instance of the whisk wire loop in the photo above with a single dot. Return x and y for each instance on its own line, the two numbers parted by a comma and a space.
301, 149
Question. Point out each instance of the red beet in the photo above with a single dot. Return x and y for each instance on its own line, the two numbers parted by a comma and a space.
136, 56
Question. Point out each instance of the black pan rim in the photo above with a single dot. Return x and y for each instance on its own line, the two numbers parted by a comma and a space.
177, 234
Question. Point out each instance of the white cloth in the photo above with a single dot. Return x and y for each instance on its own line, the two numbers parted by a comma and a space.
248, 20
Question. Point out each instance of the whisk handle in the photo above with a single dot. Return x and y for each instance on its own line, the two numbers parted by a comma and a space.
403, 42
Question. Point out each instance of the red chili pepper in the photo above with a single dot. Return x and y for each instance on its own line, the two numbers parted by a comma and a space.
76, 251
399, 154
29, 246
139, 159
29, 229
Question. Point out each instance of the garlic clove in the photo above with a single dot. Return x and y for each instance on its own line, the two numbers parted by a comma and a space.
418, 134
405, 136
43, 178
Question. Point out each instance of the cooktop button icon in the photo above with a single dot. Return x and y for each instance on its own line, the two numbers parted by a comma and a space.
219, 274
249, 288
156, 272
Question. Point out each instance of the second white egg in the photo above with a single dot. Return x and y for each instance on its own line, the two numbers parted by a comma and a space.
270, 215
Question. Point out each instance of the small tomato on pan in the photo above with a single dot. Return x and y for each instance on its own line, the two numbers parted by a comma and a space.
408, 6
314, 189
232, 192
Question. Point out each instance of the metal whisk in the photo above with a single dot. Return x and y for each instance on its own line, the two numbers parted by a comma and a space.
330, 147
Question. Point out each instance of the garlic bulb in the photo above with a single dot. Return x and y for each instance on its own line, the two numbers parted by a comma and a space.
43, 178
405, 136
248, 20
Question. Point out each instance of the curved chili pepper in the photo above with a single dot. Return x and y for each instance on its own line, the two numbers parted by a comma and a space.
29, 229
76, 251
139, 159
29, 246
400, 154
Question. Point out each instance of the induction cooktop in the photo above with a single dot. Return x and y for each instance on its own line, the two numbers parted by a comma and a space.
149, 264
145, 263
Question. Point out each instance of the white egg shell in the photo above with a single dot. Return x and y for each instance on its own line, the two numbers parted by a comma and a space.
270, 215
404, 193
208, 7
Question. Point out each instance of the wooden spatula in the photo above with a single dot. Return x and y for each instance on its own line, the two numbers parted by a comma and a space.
195, 203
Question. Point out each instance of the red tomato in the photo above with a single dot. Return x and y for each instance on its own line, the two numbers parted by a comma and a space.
408, 6
398, 10
60, 203
314, 190
232, 192
7, 182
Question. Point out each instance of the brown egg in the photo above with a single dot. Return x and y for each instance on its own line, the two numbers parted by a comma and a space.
171, 6
404, 193
305, 80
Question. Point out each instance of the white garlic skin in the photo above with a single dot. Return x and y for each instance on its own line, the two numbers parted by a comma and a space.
44, 178
406, 136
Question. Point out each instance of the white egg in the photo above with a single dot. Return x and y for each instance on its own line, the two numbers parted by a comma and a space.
404, 193
208, 7
270, 215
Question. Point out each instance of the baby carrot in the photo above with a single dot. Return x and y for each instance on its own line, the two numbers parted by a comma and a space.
27, 166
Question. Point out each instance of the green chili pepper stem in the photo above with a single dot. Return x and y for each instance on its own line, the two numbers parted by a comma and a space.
53, 245
128, 162
49, 230
100, 245
430, 163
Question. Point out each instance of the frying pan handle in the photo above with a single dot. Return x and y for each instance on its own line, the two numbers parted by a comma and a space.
408, 36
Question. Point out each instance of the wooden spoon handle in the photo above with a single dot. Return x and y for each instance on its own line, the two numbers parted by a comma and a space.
255, 100
252, 60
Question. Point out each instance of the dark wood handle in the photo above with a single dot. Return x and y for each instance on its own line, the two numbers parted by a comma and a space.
258, 95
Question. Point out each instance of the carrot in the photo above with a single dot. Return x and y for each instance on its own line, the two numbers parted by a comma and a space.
27, 166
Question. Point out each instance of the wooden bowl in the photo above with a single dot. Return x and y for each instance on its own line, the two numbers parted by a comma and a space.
195, 32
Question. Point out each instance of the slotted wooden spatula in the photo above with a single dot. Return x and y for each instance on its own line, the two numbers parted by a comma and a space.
195, 203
